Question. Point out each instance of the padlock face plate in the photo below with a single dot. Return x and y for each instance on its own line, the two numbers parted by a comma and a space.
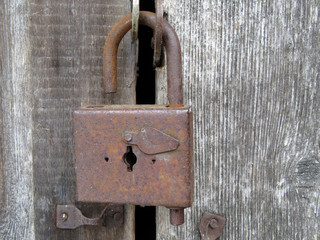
161, 179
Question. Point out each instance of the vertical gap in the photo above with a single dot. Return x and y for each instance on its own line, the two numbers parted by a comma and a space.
145, 217
145, 90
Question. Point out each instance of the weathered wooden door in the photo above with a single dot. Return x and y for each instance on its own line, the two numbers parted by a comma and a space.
251, 74
51, 55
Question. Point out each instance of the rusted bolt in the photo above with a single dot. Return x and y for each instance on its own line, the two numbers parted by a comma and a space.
128, 137
117, 216
64, 217
211, 226
213, 223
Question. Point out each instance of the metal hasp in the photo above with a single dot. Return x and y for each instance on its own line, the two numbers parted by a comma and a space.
211, 226
137, 154
70, 217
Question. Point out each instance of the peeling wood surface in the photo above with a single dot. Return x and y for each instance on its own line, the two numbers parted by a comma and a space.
51, 63
251, 74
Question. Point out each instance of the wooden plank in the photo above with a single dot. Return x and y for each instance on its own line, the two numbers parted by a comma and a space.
52, 64
251, 74
70, 76
16, 184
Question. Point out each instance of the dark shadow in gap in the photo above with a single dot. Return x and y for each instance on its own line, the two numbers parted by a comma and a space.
145, 90
145, 217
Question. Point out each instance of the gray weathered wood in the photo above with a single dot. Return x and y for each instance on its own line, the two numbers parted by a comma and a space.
16, 98
251, 74
51, 63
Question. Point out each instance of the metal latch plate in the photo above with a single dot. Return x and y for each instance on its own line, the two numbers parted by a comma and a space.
164, 179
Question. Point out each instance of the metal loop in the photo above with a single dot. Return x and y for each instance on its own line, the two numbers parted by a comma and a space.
173, 50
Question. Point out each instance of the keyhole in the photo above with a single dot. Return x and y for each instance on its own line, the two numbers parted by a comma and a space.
129, 158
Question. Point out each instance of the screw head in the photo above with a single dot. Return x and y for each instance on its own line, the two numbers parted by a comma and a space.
64, 217
128, 137
117, 216
213, 223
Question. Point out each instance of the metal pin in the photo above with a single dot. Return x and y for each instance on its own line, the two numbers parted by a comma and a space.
177, 216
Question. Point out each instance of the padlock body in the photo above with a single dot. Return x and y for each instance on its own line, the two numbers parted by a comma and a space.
164, 178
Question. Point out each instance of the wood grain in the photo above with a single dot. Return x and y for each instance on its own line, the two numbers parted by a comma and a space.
16, 168
51, 55
251, 74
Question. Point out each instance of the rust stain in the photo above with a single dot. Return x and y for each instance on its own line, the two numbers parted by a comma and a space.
162, 183
114, 163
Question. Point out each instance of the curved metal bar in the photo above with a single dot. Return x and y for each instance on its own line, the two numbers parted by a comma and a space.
173, 50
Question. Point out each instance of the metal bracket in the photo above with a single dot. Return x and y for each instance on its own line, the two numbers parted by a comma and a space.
211, 226
70, 217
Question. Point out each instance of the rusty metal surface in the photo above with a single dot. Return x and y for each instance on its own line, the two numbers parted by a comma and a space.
157, 35
151, 141
211, 226
173, 51
70, 217
164, 179
176, 216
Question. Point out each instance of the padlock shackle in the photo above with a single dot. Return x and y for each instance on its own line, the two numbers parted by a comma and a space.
173, 54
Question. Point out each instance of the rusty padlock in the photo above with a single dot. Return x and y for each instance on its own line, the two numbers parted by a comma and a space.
137, 154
